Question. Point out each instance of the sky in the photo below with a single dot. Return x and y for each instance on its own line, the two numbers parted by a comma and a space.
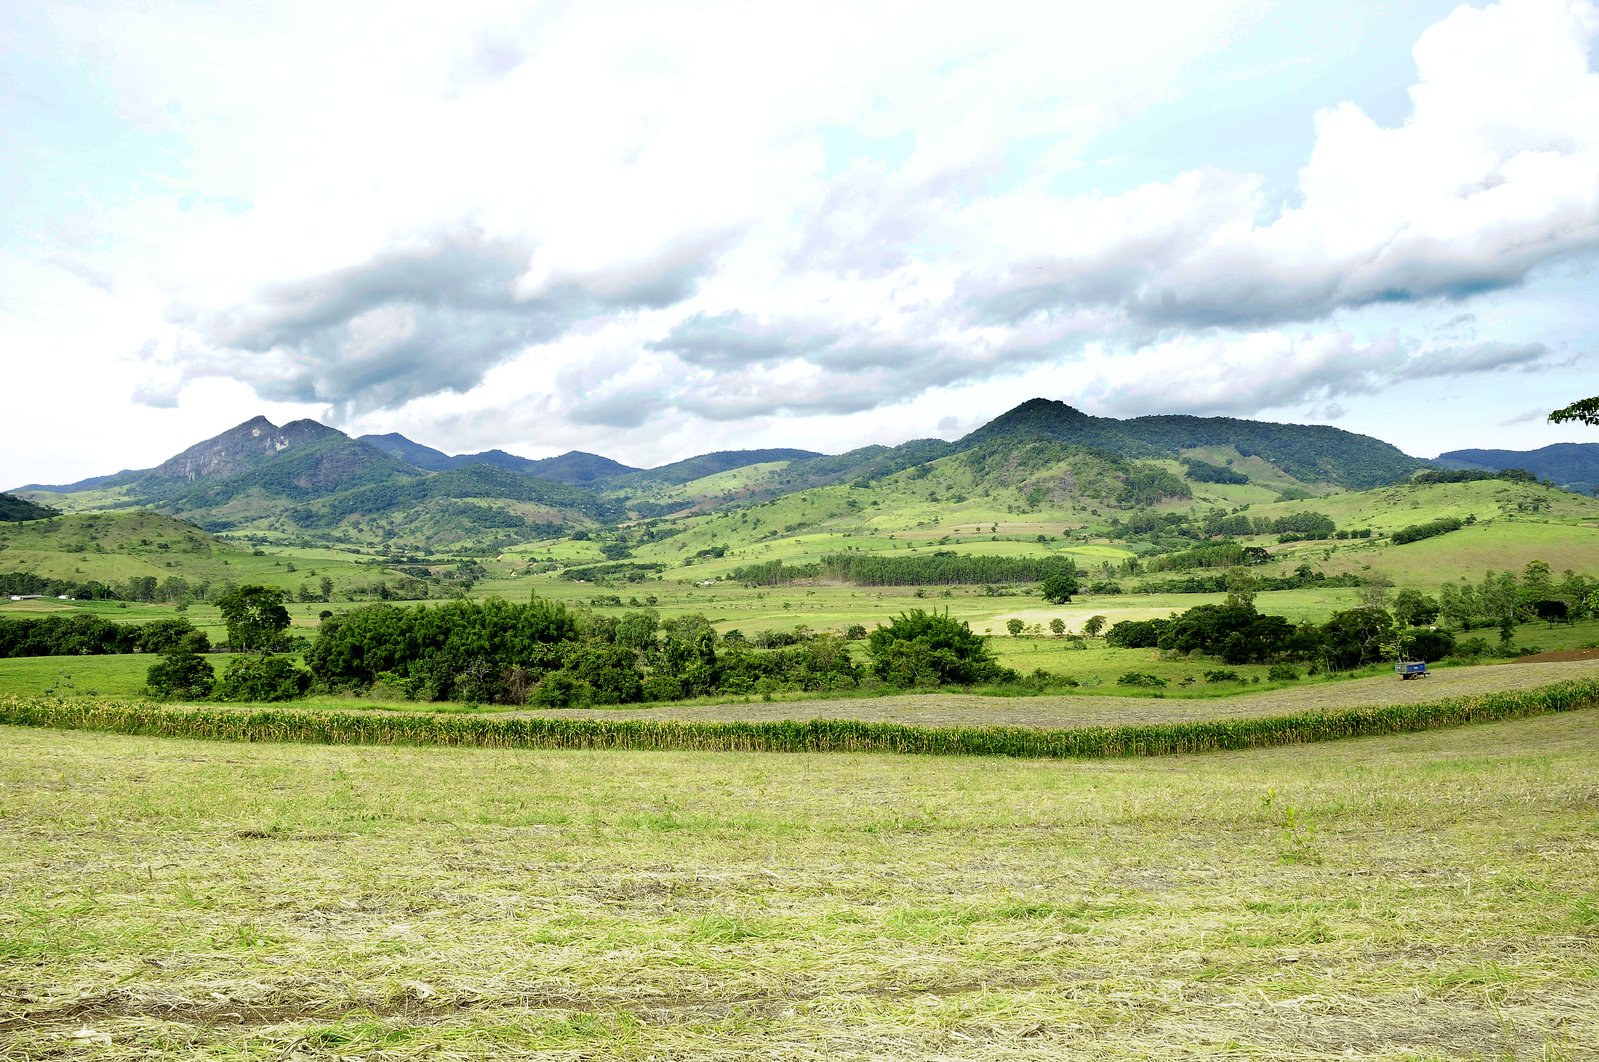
656, 230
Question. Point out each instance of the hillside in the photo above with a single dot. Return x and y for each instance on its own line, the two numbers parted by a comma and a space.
13, 509
172, 557
573, 467
1570, 466
1309, 453
306, 482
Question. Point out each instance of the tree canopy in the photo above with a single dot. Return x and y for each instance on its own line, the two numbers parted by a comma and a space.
921, 648
1586, 411
255, 617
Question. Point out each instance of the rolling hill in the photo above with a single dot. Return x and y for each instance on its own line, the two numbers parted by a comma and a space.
1043, 460
1571, 466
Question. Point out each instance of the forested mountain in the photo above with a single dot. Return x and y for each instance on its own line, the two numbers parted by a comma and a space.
1571, 466
693, 468
1310, 453
412, 453
307, 479
574, 466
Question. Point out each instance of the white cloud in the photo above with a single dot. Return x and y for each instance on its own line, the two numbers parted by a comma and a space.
668, 222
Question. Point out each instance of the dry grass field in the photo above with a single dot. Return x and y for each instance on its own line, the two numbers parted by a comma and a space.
1430, 896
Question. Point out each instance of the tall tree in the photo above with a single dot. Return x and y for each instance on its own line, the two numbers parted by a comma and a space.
255, 617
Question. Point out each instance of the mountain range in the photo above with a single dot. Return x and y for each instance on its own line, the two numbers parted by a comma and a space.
1569, 466
307, 480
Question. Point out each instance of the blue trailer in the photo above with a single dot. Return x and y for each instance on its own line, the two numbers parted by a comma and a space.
1409, 669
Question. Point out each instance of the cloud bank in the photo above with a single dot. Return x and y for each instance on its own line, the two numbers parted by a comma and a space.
623, 217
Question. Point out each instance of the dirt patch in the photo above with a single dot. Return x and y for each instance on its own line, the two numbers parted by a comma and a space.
1558, 656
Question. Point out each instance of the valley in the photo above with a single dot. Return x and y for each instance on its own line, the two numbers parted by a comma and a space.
1183, 808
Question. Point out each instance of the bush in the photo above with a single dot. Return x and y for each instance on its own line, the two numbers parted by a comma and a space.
1283, 673
1429, 645
1139, 678
181, 675
561, 690
1136, 634
262, 678
920, 648
1430, 529
1221, 675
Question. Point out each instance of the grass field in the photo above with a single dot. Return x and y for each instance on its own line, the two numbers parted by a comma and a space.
1428, 896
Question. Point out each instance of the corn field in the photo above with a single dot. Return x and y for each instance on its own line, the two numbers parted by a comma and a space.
815, 735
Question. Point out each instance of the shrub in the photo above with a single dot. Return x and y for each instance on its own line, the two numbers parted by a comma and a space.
1283, 673
1136, 634
1139, 678
1221, 675
1431, 529
920, 648
180, 675
262, 678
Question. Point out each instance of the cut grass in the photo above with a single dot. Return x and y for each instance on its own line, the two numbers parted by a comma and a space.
1426, 896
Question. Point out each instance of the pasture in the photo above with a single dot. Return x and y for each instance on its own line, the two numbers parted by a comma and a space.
1420, 896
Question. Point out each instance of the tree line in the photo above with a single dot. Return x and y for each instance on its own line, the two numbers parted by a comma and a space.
939, 568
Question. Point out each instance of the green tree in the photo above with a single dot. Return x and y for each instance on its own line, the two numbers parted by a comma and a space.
1093, 625
181, 674
1058, 587
1015, 626
1585, 411
920, 648
1241, 587
1057, 626
1412, 608
262, 678
255, 617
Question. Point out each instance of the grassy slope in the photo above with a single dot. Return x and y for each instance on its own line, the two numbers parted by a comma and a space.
1516, 523
112, 547
1426, 896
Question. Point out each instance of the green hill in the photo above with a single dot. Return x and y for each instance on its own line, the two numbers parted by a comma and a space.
1571, 466
115, 547
1309, 453
14, 509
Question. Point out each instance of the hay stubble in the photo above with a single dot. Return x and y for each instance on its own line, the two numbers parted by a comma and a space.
1431, 896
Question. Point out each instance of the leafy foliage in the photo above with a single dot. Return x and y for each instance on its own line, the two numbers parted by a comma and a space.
262, 679
1205, 472
1058, 587
1431, 529
84, 634
181, 674
921, 648
255, 616
942, 568
1586, 411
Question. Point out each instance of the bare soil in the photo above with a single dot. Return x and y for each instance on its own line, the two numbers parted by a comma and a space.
1559, 656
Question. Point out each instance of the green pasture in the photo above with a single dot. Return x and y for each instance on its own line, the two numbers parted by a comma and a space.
116, 546
116, 675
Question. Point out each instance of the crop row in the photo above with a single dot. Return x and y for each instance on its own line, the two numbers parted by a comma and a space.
815, 735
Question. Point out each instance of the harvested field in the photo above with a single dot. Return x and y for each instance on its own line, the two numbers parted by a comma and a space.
1559, 656
1424, 896
1076, 710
